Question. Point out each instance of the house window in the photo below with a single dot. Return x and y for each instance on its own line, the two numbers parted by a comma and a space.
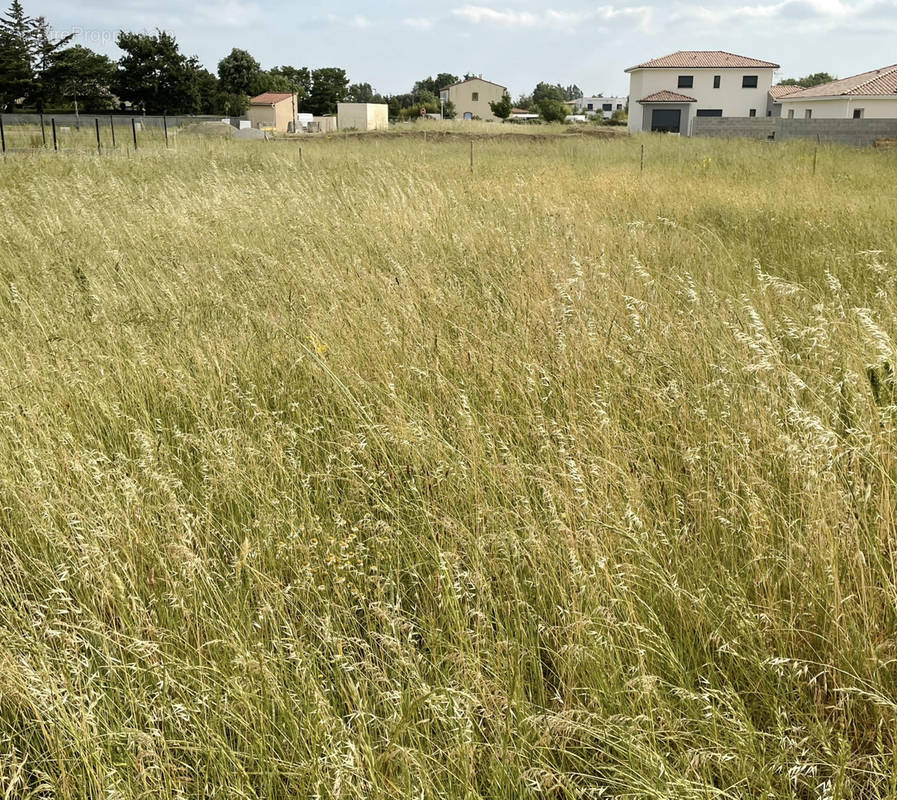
709, 112
752, 112
808, 114
591, 106
619, 106
716, 79
607, 107
790, 113
475, 97
686, 81
749, 82
858, 113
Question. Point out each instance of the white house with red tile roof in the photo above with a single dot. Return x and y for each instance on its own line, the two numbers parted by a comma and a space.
869, 95
666, 94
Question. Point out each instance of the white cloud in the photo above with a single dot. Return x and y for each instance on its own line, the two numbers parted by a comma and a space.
557, 19
418, 23
231, 14
358, 21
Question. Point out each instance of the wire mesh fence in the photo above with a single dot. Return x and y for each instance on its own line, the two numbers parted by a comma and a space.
93, 132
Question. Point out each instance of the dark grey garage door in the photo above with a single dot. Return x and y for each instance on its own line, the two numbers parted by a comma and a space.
666, 120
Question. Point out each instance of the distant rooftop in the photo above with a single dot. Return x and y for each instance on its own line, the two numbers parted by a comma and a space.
270, 98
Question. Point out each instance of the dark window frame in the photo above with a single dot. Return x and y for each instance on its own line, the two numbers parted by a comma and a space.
750, 81
716, 81
752, 112
686, 82
709, 112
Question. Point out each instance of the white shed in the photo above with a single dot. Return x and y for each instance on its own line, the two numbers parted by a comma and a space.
362, 116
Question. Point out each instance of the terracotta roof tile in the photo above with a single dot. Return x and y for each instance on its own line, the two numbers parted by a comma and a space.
875, 82
667, 97
783, 91
269, 98
703, 59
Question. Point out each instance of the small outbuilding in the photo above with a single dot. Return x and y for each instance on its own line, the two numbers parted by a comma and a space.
275, 110
362, 116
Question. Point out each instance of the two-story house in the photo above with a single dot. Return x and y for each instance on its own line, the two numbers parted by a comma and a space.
472, 97
667, 93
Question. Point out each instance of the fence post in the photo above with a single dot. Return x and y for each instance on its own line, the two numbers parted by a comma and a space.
471, 155
112, 128
2, 136
641, 166
55, 140
43, 130
99, 147
165, 128
134, 131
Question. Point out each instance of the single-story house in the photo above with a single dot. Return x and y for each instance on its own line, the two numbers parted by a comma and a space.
869, 95
667, 93
472, 97
275, 110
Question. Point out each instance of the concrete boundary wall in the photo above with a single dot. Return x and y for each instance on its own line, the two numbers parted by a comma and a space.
857, 132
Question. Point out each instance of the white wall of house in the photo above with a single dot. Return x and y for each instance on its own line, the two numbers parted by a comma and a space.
597, 105
730, 97
871, 107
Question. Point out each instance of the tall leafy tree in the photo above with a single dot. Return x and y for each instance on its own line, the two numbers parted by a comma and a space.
360, 93
328, 87
548, 91
240, 73
78, 73
155, 76
291, 79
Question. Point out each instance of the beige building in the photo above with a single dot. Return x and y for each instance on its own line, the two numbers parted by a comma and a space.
275, 110
472, 97
362, 116
870, 95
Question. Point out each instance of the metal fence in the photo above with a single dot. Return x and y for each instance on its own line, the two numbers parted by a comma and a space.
97, 132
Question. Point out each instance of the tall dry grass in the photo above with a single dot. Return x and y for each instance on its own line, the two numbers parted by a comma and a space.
368, 477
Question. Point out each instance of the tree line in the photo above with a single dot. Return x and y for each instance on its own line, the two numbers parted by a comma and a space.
153, 76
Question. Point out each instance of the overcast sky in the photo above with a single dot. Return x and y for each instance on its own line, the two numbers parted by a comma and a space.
515, 42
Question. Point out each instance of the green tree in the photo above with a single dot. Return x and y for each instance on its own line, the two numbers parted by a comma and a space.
572, 92
155, 76
79, 74
293, 79
16, 75
240, 73
502, 108
548, 91
25, 48
553, 110
816, 79
360, 93
328, 87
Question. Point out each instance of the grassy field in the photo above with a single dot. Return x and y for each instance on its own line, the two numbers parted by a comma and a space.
365, 476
